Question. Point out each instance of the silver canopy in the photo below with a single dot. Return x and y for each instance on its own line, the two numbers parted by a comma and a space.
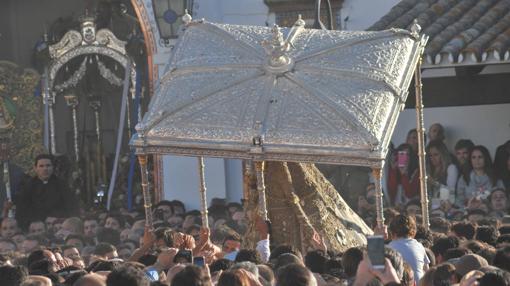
290, 94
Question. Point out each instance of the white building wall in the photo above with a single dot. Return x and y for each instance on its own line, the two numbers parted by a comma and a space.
487, 125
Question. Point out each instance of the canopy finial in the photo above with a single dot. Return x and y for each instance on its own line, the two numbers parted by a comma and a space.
186, 18
415, 28
300, 21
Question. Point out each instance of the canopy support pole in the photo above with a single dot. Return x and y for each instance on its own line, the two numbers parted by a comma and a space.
142, 159
203, 194
377, 173
52, 126
421, 145
261, 189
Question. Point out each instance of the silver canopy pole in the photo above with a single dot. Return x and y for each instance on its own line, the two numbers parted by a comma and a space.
261, 189
72, 101
203, 194
142, 159
379, 208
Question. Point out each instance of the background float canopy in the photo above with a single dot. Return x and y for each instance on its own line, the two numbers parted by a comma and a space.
290, 94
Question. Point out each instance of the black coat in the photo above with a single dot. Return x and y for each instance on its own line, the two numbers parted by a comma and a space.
38, 200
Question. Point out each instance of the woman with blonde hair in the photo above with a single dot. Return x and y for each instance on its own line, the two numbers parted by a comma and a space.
442, 172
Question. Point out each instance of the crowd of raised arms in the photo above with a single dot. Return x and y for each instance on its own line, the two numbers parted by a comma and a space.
51, 241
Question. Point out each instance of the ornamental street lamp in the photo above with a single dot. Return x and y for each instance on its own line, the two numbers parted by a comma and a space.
168, 15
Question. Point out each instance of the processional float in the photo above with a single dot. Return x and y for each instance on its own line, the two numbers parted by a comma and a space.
92, 47
281, 94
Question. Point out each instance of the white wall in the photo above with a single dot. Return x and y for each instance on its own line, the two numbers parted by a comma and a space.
181, 180
487, 125
245, 12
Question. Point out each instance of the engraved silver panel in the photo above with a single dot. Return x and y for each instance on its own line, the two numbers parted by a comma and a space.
291, 94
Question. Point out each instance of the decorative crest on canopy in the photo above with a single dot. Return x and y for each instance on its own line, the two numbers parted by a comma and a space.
88, 36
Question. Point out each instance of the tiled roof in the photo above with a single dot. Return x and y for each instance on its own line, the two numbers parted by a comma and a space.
462, 32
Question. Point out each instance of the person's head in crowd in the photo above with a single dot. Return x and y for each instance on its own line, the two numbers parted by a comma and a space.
413, 207
445, 275
284, 248
411, 164
439, 160
177, 207
442, 244
423, 235
502, 258
108, 235
266, 273
191, 275
7, 246
231, 244
176, 220
487, 234
232, 277
115, 222
104, 251
408, 276
250, 255
90, 226
455, 253
402, 226
124, 234
316, 261
72, 225
428, 278
350, 261
43, 167
468, 263
92, 279
191, 218
475, 215
412, 139
295, 275
440, 225
481, 162
50, 224
9, 227
124, 252
494, 277
163, 237
37, 228
127, 275
220, 264
248, 266
18, 238
75, 240
285, 259
503, 240
464, 230
462, 150
12, 275
164, 210
436, 132
70, 252
498, 200
233, 207
194, 231
30, 244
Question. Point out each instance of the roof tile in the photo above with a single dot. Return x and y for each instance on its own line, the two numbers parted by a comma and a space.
455, 27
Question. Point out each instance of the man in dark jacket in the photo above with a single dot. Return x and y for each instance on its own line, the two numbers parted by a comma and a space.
44, 195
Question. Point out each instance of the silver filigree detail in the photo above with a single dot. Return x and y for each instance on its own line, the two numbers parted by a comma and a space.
75, 78
107, 74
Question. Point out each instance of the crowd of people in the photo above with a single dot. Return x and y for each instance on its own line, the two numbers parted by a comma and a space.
52, 241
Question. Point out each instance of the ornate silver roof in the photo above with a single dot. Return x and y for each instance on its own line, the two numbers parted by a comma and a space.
290, 94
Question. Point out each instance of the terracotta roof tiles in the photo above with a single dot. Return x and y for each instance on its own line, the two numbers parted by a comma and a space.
460, 31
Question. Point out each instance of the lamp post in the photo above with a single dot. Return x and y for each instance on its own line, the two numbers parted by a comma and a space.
168, 14
5, 134
72, 101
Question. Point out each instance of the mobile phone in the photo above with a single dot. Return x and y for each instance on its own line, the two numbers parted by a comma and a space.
375, 249
402, 159
199, 261
183, 256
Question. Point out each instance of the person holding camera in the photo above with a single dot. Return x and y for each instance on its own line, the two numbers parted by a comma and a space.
403, 177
